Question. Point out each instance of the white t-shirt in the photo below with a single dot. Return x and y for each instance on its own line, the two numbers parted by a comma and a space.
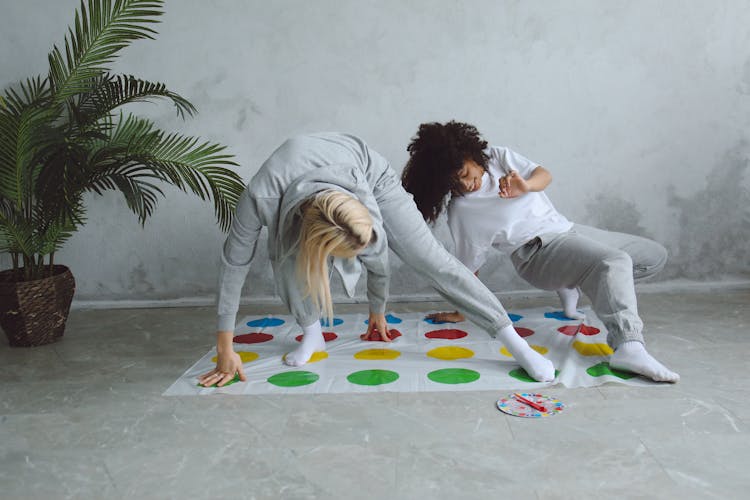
481, 219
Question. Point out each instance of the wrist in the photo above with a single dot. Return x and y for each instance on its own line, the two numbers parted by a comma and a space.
224, 341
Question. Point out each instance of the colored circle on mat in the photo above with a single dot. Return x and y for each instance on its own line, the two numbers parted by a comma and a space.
374, 336
558, 315
318, 356
293, 379
372, 377
245, 356
512, 406
447, 334
252, 338
389, 318
586, 349
524, 332
327, 336
261, 322
572, 330
326, 323
377, 354
603, 368
233, 381
453, 376
520, 374
514, 317
450, 352
538, 348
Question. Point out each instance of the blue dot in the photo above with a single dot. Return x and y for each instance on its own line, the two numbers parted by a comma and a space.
336, 322
262, 322
514, 317
393, 319
389, 318
559, 315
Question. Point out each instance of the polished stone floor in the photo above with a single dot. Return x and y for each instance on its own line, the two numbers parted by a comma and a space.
84, 418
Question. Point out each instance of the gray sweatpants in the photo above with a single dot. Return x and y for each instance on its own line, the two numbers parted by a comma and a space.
603, 264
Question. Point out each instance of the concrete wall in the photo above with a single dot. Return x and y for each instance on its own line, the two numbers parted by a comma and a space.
640, 108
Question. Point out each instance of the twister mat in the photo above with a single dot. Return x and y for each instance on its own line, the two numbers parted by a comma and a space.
428, 356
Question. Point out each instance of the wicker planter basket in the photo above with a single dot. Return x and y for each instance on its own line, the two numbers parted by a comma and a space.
34, 313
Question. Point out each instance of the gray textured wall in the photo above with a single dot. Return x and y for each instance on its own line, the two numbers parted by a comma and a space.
640, 108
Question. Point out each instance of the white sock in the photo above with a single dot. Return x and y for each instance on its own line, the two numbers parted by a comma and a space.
632, 356
537, 366
312, 341
569, 299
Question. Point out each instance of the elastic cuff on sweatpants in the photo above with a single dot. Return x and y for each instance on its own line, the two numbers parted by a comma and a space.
501, 323
305, 321
614, 341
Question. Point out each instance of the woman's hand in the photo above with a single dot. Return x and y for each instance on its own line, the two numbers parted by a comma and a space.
377, 323
513, 186
446, 317
228, 363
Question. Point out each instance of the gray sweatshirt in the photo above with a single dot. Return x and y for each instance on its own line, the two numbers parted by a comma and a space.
299, 168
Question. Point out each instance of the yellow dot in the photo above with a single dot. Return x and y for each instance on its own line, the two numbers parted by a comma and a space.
245, 356
318, 356
450, 352
538, 348
377, 354
586, 349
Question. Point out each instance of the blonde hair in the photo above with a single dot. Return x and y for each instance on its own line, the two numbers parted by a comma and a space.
333, 224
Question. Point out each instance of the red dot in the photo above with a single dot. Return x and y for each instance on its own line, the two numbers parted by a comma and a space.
375, 336
252, 338
448, 334
524, 332
327, 336
574, 329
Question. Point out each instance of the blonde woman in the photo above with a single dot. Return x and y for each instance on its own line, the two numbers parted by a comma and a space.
329, 195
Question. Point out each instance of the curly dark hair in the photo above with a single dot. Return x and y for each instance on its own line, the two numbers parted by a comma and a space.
436, 154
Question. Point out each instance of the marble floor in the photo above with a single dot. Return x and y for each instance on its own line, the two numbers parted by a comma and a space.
85, 418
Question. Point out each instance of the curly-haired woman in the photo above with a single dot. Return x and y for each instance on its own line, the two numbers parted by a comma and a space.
495, 198
330, 195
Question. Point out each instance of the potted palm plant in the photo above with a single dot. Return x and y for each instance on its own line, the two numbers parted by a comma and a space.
63, 135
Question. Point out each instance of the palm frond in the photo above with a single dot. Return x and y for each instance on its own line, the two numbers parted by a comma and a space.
137, 150
16, 235
51, 234
197, 167
112, 91
140, 195
61, 181
26, 131
100, 31
33, 92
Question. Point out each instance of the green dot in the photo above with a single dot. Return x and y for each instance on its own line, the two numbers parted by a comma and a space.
372, 377
521, 375
453, 376
235, 379
603, 368
293, 379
